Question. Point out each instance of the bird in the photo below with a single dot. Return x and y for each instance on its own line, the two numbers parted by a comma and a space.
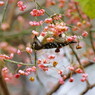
40, 42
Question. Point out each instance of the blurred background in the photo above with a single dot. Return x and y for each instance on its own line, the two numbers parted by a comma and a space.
15, 33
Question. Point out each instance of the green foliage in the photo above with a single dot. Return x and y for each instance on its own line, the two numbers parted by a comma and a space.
88, 7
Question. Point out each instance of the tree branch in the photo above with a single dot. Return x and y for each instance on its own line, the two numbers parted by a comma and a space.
87, 89
57, 86
4, 11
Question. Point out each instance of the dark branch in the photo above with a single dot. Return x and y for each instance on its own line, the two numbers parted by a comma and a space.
87, 89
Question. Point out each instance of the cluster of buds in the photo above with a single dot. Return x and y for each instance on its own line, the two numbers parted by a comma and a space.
27, 71
76, 70
72, 38
2, 57
43, 67
21, 5
44, 61
32, 69
57, 28
84, 77
79, 71
73, 69
6, 74
35, 23
36, 12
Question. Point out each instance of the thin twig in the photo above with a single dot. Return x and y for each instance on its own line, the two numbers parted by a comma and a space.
4, 11
90, 36
91, 40
87, 89
35, 55
15, 62
78, 11
30, 57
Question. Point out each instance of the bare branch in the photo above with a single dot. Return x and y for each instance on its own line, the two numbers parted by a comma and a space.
87, 89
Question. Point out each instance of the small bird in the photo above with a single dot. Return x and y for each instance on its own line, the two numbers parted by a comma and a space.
40, 42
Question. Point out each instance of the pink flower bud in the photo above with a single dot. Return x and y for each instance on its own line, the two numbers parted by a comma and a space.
39, 61
29, 50
51, 57
18, 52
85, 75
79, 70
85, 34
83, 79
48, 20
2, 3
17, 75
71, 79
11, 55
60, 72
35, 33
43, 34
20, 3
21, 72
61, 81
71, 68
